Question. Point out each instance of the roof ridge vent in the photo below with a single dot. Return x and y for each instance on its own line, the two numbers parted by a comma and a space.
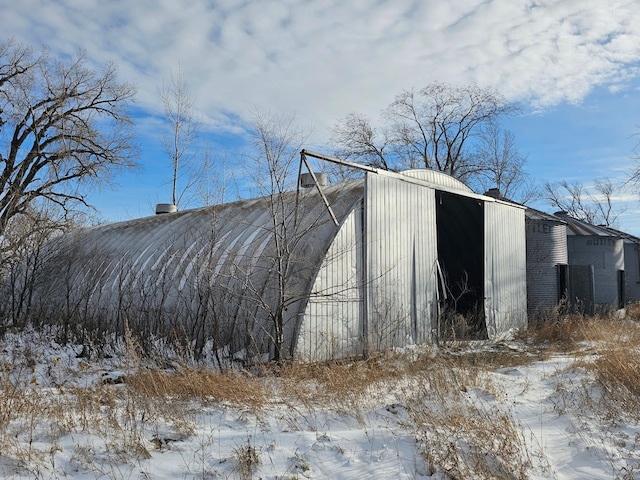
306, 180
162, 208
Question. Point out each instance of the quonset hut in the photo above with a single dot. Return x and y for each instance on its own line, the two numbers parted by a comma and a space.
332, 272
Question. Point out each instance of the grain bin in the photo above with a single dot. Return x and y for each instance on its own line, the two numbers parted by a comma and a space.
546, 240
602, 249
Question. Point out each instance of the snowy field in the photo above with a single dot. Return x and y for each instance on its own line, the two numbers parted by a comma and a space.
515, 411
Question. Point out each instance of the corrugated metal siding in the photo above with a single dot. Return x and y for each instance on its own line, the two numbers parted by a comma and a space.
180, 270
631, 264
606, 254
505, 268
578, 227
438, 179
632, 271
401, 253
546, 248
332, 326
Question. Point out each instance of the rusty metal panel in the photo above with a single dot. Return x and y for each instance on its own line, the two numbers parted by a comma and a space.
505, 268
401, 254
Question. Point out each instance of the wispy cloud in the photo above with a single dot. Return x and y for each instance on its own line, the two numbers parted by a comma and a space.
321, 59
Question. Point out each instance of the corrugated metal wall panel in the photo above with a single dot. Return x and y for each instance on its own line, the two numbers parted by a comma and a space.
632, 272
200, 271
606, 254
401, 252
505, 268
546, 248
332, 325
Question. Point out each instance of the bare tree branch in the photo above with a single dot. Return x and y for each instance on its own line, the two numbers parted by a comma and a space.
277, 141
503, 165
183, 129
435, 128
592, 206
64, 128
354, 137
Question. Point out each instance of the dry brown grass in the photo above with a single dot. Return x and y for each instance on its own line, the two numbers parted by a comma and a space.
346, 383
607, 346
202, 384
493, 356
340, 385
618, 370
633, 311
22, 407
460, 436
556, 332
246, 461
616, 362
572, 332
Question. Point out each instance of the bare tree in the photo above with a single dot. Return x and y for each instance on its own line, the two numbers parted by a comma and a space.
634, 178
64, 128
211, 186
183, 127
503, 165
593, 206
277, 141
355, 138
432, 128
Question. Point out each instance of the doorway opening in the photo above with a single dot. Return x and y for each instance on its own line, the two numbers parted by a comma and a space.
460, 237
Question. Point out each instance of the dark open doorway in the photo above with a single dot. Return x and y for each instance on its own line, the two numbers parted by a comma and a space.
460, 231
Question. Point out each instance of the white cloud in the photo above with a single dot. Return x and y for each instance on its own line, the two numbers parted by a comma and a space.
322, 59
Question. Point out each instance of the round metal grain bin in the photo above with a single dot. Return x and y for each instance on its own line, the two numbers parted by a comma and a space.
546, 242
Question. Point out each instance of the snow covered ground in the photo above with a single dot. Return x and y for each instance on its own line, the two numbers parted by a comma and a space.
63, 415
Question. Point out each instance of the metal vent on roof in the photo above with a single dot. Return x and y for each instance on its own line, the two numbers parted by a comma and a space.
306, 180
166, 208
493, 193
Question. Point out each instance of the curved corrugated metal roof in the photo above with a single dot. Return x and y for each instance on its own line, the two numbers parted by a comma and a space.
226, 253
437, 178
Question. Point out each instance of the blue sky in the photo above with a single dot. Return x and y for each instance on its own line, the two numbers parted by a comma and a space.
574, 65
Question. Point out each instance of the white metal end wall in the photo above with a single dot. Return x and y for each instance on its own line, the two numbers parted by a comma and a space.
332, 324
505, 268
401, 254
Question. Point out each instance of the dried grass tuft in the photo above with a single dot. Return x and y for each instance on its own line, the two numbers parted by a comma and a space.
336, 384
616, 362
207, 386
246, 459
461, 437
